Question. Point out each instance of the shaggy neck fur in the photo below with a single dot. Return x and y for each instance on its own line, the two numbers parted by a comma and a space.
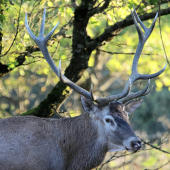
79, 143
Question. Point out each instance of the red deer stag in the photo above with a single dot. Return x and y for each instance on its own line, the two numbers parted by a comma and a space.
79, 143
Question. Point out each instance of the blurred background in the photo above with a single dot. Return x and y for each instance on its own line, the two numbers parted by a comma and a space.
26, 85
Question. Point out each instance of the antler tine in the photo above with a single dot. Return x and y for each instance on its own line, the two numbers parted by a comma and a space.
41, 34
28, 29
148, 91
131, 95
41, 41
142, 39
138, 19
135, 95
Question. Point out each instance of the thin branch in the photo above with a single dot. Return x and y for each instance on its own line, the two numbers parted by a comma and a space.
112, 53
100, 9
31, 62
55, 49
15, 33
125, 163
34, 6
110, 159
161, 35
147, 143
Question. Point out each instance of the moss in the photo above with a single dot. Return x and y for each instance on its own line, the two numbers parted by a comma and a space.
30, 112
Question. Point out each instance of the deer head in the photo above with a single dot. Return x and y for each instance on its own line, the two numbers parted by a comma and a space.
113, 125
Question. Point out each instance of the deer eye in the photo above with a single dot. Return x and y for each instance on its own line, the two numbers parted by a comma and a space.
116, 110
109, 121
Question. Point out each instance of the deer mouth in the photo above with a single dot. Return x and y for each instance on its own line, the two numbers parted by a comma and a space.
131, 150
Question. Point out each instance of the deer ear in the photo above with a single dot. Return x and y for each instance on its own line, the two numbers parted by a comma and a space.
88, 105
132, 106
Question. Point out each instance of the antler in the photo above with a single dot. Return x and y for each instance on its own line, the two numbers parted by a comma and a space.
41, 41
142, 39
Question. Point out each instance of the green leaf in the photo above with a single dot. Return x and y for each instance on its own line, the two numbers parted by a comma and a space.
50, 4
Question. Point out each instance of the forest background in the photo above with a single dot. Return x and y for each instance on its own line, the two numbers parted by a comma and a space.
96, 41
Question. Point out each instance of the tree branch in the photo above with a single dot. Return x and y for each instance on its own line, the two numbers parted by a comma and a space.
112, 53
15, 33
115, 29
100, 9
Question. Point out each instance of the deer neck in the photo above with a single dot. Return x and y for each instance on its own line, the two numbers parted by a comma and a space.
80, 141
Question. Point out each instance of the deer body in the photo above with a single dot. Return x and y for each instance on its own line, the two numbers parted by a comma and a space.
79, 143
41, 144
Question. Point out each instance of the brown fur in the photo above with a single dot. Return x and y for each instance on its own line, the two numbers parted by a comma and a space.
35, 140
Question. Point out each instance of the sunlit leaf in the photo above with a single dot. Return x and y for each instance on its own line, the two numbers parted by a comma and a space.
50, 3
91, 61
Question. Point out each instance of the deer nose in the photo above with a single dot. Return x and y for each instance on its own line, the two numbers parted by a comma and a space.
136, 145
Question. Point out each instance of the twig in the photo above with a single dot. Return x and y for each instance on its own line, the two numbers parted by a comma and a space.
107, 161
56, 49
109, 52
161, 33
30, 62
15, 33
155, 147
125, 163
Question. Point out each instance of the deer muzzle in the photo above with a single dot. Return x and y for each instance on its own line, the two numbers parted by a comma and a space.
133, 144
